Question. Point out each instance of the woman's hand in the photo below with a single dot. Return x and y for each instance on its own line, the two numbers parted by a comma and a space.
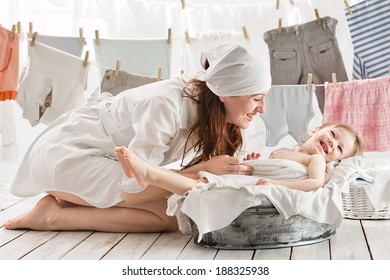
225, 164
252, 156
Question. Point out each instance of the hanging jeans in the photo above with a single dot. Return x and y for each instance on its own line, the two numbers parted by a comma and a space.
302, 49
365, 105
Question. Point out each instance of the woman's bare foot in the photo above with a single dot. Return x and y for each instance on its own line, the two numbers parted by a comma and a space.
134, 167
39, 218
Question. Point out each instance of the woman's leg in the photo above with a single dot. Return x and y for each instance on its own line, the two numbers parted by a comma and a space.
147, 174
49, 215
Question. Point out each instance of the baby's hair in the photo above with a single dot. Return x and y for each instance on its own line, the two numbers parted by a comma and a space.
358, 146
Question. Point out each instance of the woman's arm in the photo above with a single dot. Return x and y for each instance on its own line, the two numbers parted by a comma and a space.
220, 165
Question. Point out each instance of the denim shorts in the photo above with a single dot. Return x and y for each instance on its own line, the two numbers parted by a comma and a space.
306, 48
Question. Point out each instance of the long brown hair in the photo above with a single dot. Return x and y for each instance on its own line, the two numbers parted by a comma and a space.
210, 135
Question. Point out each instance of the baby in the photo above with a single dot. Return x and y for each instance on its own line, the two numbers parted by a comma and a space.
331, 142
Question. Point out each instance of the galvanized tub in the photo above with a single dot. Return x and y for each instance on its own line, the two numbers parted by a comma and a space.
263, 227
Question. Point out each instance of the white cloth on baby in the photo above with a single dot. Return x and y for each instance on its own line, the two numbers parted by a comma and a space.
215, 205
292, 110
51, 71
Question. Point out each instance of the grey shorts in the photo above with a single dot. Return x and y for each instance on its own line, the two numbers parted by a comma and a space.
306, 48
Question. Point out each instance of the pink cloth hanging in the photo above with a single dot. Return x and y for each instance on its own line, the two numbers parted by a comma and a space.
364, 104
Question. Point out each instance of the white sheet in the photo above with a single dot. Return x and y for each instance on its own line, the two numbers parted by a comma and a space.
214, 205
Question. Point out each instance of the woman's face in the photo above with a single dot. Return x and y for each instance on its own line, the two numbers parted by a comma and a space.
333, 143
240, 110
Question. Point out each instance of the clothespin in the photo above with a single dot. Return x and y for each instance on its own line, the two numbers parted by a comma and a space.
277, 4
334, 79
81, 35
85, 62
159, 74
117, 68
280, 26
309, 81
183, 4
34, 37
187, 37
19, 27
348, 7
30, 29
182, 71
292, 2
318, 19
169, 36
246, 36
97, 37
13, 32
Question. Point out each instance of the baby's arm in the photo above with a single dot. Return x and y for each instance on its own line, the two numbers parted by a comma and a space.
316, 176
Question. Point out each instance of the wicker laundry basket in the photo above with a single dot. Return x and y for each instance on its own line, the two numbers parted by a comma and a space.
263, 227
357, 205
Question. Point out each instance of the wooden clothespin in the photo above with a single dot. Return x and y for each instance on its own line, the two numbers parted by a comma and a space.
292, 2
169, 36
13, 31
34, 37
348, 7
277, 4
309, 81
182, 71
85, 62
117, 68
159, 74
30, 29
334, 79
81, 35
183, 4
19, 27
245, 31
97, 37
318, 19
187, 37
280, 26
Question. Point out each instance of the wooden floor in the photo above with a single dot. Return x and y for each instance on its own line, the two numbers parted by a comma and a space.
354, 240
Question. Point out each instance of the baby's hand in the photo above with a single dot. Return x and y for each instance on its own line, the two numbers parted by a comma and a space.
264, 182
252, 156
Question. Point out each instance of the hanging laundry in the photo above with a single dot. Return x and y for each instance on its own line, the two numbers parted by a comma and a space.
69, 45
9, 64
137, 56
52, 85
364, 104
206, 40
369, 25
123, 81
292, 110
306, 48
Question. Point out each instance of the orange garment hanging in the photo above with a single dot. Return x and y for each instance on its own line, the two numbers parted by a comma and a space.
9, 64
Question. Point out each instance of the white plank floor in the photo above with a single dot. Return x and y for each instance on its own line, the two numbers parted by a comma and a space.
354, 240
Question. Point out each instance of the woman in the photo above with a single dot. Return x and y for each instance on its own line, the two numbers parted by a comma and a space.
73, 160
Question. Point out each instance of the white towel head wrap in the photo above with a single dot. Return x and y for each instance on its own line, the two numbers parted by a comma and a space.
234, 71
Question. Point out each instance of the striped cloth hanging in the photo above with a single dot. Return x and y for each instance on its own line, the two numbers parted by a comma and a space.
369, 25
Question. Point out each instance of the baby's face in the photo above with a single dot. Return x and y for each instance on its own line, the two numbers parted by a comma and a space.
333, 143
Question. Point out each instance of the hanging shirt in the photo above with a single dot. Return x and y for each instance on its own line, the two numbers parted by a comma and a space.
137, 56
53, 84
369, 25
9, 64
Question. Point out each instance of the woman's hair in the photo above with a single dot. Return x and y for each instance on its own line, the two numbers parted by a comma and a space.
358, 146
210, 135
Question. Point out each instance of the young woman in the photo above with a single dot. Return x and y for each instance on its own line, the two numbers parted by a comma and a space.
331, 142
73, 160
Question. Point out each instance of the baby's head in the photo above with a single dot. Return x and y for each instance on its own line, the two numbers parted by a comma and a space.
334, 141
